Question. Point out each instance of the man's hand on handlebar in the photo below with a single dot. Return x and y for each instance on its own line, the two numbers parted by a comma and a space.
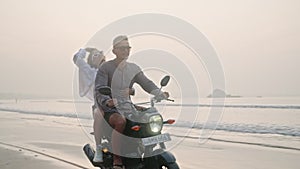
162, 96
166, 95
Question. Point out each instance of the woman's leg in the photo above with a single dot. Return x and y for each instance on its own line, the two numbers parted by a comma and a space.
98, 118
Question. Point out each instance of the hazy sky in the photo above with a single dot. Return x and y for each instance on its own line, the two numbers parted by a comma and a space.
257, 41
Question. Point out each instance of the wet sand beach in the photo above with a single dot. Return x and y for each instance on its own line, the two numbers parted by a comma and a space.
42, 142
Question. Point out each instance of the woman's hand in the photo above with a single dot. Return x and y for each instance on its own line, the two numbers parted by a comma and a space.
111, 103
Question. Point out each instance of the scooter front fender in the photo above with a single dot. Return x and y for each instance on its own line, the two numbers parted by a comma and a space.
165, 157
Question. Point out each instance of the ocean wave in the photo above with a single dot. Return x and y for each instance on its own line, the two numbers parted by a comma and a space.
229, 127
239, 106
245, 128
236, 127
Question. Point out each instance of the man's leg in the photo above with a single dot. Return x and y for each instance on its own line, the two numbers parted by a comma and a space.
118, 122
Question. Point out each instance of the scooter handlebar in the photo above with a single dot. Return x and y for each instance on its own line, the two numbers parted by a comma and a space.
171, 100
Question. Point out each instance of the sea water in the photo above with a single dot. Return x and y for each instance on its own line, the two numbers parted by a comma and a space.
272, 122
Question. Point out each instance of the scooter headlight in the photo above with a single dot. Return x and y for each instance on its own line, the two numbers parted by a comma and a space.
156, 123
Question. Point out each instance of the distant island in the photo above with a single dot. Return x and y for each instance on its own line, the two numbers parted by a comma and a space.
218, 93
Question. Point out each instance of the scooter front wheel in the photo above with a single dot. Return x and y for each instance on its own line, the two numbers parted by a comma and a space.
170, 166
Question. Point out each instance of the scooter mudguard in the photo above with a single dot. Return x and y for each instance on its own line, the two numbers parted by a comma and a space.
166, 157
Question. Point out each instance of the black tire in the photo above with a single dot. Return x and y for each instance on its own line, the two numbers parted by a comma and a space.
170, 166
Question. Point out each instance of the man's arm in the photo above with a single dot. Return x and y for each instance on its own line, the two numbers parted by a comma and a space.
146, 84
101, 80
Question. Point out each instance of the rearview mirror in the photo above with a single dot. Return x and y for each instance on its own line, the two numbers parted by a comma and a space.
105, 90
164, 81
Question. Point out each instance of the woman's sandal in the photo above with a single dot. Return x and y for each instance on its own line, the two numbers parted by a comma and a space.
116, 166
